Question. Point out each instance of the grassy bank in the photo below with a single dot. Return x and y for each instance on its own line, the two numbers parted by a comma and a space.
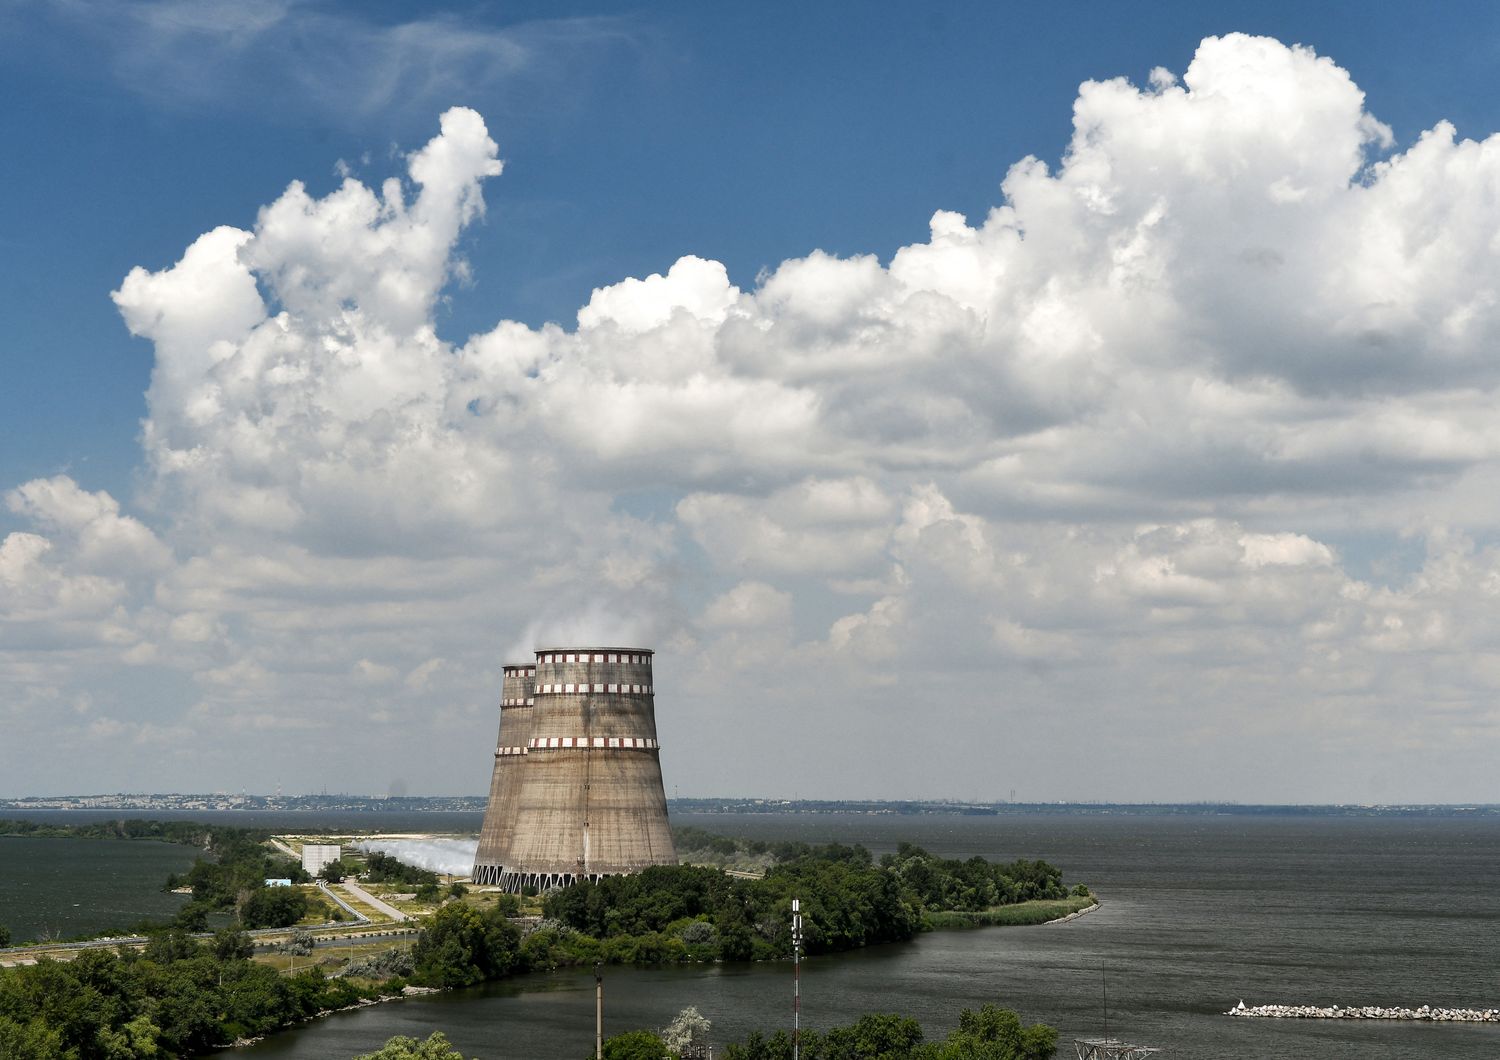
1020, 914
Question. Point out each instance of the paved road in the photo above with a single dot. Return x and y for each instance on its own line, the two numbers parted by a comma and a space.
359, 917
374, 903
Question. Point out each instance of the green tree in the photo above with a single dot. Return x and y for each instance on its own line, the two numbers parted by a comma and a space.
230, 943
4, 935
137, 1040
877, 1036
995, 1033
634, 1045
192, 917
776, 1047
172, 945
50, 992
436, 1047
460, 946
187, 1009
273, 907
31, 1040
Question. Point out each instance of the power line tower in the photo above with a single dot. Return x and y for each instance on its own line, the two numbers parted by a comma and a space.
1111, 1049
1108, 1048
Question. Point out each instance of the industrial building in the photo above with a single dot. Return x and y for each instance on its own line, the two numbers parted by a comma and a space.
576, 792
316, 856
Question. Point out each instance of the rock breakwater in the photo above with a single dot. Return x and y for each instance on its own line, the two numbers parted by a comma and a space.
1368, 1012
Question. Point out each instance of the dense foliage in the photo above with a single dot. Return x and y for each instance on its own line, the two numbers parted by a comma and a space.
990, 1034
460, 946
972, 885
176, 998
847, 902
683, 912
383, 868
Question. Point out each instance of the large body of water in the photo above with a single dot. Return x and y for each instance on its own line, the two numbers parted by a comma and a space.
1199, 912
64, 888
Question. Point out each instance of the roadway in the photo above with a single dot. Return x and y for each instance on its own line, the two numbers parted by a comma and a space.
384, 908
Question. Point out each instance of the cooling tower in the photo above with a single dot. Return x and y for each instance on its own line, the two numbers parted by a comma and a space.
510, 754
588, 800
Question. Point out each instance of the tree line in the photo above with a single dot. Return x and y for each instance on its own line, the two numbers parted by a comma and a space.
176, 998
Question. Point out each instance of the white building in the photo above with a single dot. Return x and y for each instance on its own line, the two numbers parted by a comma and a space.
317, 855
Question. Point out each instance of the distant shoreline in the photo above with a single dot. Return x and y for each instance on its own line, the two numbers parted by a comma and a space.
144, 805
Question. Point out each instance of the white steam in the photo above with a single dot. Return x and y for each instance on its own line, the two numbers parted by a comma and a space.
453, 857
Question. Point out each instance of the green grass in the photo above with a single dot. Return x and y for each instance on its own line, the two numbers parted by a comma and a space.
1022, 914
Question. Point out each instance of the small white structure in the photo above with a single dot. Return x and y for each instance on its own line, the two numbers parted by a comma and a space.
278, 883
317, 855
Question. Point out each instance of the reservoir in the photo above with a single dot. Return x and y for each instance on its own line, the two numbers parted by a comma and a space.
62, 888
1199, 912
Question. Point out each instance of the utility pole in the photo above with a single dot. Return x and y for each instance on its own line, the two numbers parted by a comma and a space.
796, 979
598, 1011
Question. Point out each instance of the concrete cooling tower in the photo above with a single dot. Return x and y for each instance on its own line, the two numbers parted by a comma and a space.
516, 703
585, 797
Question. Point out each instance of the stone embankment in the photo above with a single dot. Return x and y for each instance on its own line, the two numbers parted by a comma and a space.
1074, 915
1369, 1012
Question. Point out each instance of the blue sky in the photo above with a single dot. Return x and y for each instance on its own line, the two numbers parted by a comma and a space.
1191, 449
745, 134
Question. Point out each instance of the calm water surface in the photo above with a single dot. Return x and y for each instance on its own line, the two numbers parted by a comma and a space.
1199, 912
62, 888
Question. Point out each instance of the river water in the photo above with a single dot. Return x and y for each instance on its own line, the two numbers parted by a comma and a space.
1198, 913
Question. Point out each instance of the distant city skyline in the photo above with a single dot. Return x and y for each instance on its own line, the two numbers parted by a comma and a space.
1092, 403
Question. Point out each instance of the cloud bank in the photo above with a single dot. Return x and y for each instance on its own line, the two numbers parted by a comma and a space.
1171, 477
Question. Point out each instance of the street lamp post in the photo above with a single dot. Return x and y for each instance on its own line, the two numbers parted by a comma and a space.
796, 979
598, 1011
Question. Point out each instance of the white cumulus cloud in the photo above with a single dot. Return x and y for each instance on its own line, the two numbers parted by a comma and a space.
1185, 445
